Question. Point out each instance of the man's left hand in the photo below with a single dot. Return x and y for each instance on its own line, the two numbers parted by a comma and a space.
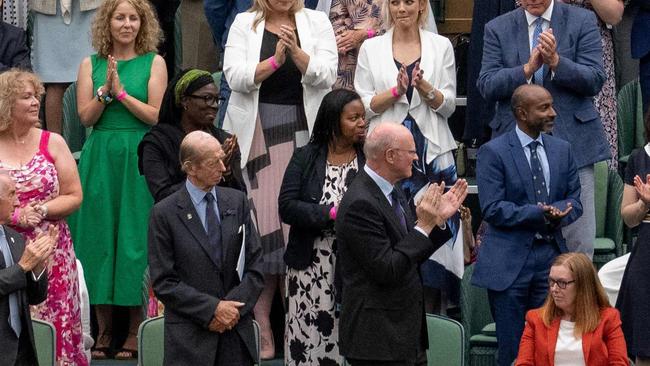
553, 213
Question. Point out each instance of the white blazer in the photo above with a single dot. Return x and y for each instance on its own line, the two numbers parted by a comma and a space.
242, 55
376, 72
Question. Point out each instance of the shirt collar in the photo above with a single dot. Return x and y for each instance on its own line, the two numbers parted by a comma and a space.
546, 15
196, 194
384, 185
525, 140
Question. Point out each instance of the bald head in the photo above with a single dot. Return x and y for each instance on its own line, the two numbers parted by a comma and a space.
525, 95
7, 198
384, 136
195, 146
390, 151
532, 106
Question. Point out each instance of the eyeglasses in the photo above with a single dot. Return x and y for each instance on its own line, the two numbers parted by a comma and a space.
561, 284
208, 99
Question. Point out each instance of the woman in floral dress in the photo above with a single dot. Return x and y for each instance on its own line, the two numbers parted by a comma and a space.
314, 183
48, 190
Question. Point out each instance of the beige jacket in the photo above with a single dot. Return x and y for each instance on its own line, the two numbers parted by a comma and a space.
49, 6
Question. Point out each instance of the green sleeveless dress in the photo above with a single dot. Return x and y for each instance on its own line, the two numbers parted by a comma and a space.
110, 228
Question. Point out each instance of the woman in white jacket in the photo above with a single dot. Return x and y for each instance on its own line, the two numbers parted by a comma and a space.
408, 76
280, 60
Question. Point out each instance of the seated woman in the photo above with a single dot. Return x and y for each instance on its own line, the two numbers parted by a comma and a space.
314, 183
576, 325
190, 103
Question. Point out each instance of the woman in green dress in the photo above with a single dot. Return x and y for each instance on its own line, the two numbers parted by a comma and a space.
119, 92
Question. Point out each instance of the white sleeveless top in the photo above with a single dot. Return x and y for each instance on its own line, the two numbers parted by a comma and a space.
568, 349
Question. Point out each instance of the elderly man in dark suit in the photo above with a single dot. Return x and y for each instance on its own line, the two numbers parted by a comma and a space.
23, 282
205, 258
528, 190
557, 46
380, 249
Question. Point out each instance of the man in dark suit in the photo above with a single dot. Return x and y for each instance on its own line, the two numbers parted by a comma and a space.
380, 249
204, 259
13, 48
557, 46
23, 282
528, 190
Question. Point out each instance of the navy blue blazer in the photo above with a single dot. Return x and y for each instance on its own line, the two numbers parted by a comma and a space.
578, 77
509, 208
13, 48
640, 42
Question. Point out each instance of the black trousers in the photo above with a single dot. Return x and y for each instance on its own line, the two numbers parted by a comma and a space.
232, 351
26, 355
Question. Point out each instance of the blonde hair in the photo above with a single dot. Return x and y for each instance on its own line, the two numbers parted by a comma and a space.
149, 34
262, 8
12, 83
387, 18
590, 296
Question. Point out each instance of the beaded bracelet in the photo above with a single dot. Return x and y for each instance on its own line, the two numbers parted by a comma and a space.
370, 33
104, 98
393, 91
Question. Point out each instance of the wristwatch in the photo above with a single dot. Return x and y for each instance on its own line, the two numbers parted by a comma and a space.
430, 96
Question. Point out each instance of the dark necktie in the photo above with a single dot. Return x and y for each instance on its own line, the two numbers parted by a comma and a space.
398, 209
539, 183
14, 309
213, 228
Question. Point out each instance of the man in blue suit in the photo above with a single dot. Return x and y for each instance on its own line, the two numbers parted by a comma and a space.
525, 201
640, 43
558, 46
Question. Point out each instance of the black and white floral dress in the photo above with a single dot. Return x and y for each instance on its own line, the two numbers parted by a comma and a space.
312, 329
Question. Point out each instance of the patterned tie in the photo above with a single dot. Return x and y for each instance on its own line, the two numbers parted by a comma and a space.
14, 310
213, 228
539, 183
539, 74
398, 209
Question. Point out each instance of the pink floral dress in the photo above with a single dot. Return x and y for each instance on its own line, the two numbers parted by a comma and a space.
37, 181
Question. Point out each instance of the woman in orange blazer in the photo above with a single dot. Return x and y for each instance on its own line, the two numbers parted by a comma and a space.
576, 325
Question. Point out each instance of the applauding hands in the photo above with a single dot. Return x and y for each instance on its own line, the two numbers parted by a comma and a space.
436, 205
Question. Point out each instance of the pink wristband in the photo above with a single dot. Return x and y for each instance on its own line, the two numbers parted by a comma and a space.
393, 91
120, 97
370, 32
15, 217
333, 213
274, 64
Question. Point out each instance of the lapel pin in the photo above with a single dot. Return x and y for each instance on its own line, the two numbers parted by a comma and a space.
189, 216
12, 240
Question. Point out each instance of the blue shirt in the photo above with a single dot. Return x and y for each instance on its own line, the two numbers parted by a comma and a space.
4, 247
525, 140
197, 196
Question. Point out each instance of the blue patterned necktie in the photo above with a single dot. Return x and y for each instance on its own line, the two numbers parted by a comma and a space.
539, 74
539, 183
213, 228
14, 310
398, 209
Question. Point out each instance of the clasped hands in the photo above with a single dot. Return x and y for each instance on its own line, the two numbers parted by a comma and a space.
38, 250
286, 44
544, 53
436, 205
112, 84
226, 316
30, 215
643, 189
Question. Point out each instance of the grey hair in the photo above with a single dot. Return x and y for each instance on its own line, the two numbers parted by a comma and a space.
190, 150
